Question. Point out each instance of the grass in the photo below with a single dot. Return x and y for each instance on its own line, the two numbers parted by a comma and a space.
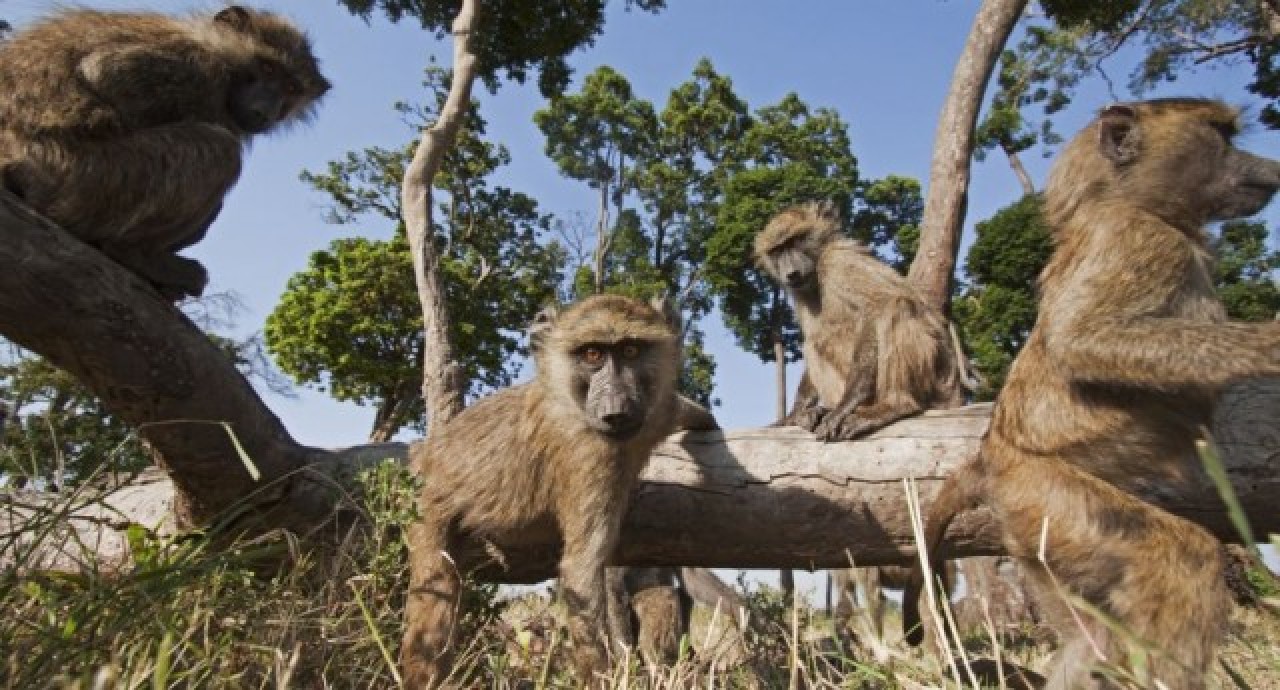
189, 615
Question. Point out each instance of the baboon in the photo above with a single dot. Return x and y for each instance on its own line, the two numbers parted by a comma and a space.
1103, 407
869, 583
659, 608
126, 129
559, 453
874, 351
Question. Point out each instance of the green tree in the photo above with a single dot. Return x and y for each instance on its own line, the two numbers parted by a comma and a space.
1245, 273
666, 195
888, 217
55, 432
513, 37
996, 306
351, 325
1073, 39
596, 136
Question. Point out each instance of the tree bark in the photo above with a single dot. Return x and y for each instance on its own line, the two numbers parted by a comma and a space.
948, 194
774, 498
1019, 170
442, 385
148, 363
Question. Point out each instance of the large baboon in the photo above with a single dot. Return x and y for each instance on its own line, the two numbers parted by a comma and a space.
1103, 407
126, 129
559, 453
874, 350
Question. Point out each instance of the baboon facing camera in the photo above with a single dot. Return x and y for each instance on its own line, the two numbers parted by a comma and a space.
1104, 405
127, 128
874, 350
561, 453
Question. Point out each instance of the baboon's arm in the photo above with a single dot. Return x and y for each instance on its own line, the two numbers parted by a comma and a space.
694, 417
1104, 329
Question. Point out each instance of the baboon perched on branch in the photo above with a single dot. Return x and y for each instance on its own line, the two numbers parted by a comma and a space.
874, 350
1104, 406
126, 129
560, 453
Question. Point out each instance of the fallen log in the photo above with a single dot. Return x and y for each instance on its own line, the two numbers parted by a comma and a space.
763, 498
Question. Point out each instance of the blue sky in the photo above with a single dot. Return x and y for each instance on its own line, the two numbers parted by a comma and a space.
884, 65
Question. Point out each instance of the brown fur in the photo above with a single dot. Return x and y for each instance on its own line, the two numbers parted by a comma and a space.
660, 611
126, 129
1103, 406
875, 352
533, 458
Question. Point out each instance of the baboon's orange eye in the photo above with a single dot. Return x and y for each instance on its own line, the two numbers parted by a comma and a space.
593, 356
630, 351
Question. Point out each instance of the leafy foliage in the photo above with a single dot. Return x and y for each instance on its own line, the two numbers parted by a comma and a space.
56, 432
1245, 274
997, 307
513, 37
351, 323
888, 218
1175, 36
664, 173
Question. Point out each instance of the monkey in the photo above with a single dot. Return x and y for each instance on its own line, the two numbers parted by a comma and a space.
127, 129
1104, 405
874, 350
660, 607
560, 453
871, 581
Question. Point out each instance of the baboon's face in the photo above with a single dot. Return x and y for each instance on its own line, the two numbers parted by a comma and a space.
280, 81
1184, 150
794, 263
1245, 186
612, 359
613, 384
263, 96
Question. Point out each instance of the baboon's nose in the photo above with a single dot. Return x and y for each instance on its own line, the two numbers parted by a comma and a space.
794, 277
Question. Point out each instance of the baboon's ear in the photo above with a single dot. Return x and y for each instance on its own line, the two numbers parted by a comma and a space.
1119, 139
670, 313
542, 324
233, 16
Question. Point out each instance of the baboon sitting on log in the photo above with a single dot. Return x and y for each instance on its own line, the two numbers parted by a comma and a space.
126, 128
874, 350
561, 453
1103, 408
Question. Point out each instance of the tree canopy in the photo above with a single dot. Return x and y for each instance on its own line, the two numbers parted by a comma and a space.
351, 323
513, 37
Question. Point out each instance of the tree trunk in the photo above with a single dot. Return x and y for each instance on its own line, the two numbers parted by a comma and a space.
948, 192
148, 363
1019, 170
602, 239
442, 384
765, 498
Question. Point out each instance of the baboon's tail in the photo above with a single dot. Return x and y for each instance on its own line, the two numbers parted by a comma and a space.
960, 492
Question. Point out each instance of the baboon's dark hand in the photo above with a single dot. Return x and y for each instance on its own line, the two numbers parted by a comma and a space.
809, 418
